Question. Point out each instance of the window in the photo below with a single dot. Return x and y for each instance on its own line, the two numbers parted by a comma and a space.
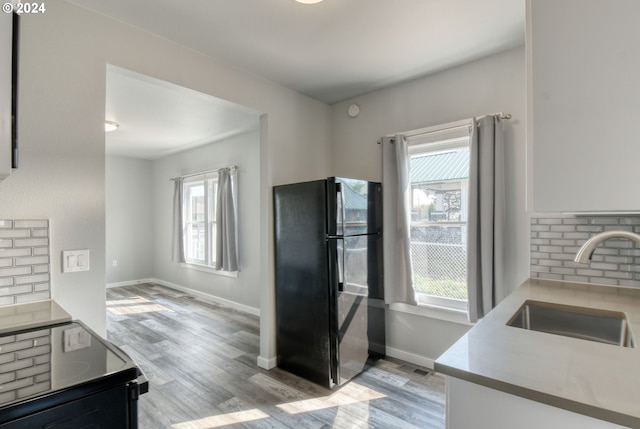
200, 220
205, 221
439, 176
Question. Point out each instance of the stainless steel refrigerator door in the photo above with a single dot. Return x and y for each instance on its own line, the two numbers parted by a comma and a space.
352, 307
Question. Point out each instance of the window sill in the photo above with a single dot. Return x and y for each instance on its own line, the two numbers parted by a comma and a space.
210, 270
434, 312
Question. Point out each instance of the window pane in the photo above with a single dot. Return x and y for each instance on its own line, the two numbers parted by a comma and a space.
195, 230
196, 241
213, 200
438, 222
196, 202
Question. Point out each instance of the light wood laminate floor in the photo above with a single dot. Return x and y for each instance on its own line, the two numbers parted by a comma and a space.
200, 359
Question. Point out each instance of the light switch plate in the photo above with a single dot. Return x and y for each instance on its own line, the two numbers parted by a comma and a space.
75, 260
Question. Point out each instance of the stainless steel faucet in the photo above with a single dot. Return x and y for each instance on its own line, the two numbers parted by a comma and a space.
586, 251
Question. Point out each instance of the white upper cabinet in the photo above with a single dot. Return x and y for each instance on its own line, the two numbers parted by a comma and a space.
583, 95
5, 93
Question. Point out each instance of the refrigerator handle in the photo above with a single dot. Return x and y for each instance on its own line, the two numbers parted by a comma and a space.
343, 211
337, 260
344, 219
341, 268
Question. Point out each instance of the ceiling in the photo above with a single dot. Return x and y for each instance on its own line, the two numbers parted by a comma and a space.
333, 50
158, 118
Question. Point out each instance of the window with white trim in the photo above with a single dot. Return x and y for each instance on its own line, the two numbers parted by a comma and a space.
199, 199
439, 176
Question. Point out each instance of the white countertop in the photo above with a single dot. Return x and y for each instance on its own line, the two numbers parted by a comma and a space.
591, 378
31, 315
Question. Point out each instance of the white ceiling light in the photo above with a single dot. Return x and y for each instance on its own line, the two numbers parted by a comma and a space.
308, 1
110, 126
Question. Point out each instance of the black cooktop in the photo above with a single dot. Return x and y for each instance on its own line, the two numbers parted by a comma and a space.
41, 366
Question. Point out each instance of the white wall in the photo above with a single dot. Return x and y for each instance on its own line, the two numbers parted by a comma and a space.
242, 151
129, 219
64, 55
489, 85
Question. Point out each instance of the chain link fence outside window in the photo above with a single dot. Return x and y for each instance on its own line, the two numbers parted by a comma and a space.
439, 259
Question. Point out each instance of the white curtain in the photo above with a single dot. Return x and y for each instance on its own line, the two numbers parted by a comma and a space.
398, 273
177, 244
485, 252
226, 233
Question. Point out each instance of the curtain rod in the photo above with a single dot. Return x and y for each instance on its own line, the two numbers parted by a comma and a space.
233, 169
445, 127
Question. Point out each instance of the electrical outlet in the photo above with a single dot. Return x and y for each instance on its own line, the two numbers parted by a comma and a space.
114, 263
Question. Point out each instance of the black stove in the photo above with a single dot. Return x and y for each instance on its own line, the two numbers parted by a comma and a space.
66, 376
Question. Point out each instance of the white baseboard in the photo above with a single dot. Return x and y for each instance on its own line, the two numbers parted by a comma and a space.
208, 297
198, 294
266, 363
130, 282
410, 357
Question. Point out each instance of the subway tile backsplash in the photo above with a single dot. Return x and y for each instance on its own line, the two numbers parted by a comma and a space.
24, 261
555, 240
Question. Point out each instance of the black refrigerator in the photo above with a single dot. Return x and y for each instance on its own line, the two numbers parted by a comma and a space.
329, 282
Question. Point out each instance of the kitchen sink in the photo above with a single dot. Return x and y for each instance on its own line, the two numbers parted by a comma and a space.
603, 326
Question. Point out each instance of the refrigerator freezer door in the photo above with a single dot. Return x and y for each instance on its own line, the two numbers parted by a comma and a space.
354, 207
